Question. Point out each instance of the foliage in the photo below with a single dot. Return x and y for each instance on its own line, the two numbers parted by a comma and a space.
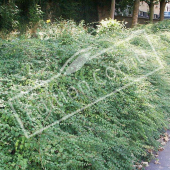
115, 133
162, 26
34, 11
9, 16
123, 4
155, 2
157, 27
35, 14
110, 25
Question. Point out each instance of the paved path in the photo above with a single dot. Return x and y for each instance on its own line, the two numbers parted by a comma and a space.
164, 159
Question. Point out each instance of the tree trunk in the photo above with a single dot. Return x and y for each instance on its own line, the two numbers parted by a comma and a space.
112, 11
135, 12
162, 9
151, 10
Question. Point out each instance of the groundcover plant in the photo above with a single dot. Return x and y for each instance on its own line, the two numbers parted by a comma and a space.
73, 99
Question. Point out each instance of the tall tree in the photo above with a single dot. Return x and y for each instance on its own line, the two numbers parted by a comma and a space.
162, 9
112, 11
151, 4
135, 12
151, 10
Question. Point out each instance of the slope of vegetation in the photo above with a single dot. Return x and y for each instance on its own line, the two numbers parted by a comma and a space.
114, 133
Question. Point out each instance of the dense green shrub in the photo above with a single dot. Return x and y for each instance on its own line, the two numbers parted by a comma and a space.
157, 27
9, 17
114, 133
110, 26
35, 14
23, 12
161, 26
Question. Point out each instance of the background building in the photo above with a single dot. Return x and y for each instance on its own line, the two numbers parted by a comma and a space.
144, 10
167, 11
167, 8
